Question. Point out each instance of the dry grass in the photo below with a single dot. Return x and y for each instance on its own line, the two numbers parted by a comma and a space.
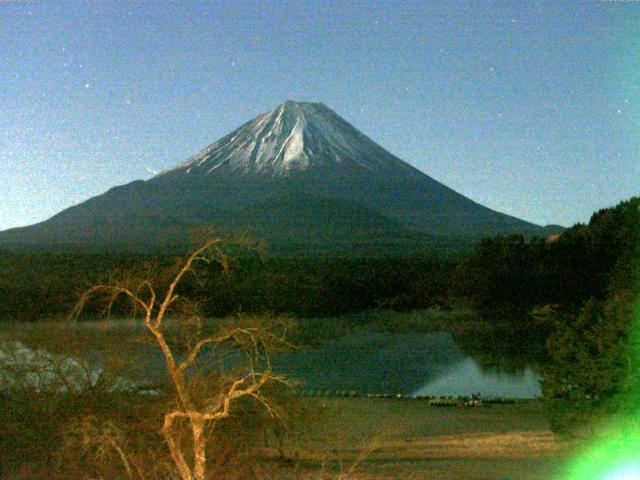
478, 445
377, 439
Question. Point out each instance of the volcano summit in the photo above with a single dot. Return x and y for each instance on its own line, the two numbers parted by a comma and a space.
289, 139
299, 177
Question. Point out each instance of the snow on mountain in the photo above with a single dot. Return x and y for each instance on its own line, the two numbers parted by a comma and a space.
292, 137
300, 177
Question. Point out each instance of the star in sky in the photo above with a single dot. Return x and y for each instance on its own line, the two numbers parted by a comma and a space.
438, 53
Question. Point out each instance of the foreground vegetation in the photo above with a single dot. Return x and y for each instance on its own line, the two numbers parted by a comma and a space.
399, 439
190, 403
575, 295
331, 438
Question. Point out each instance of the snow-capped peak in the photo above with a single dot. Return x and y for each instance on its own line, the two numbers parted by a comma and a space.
292, 137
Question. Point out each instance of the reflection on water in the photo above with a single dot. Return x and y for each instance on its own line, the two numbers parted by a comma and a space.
489, 361
371, 362
500, 346
466, 377
428, 364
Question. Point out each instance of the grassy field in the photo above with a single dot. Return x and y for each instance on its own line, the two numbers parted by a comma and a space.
394, 439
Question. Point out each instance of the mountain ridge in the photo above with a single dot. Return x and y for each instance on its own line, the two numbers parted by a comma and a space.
298, 164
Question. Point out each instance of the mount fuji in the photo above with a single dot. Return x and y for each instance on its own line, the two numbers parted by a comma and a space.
299, 177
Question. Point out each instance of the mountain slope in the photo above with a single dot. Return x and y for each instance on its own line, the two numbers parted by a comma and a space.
299, 174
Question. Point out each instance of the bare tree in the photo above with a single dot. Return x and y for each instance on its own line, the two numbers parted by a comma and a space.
193, 409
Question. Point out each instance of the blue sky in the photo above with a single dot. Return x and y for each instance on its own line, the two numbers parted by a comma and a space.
530, 108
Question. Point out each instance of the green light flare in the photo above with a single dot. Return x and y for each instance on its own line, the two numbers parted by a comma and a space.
628, 472
617, 457
615, 454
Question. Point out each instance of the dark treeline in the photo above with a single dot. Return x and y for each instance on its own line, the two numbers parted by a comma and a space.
322, 287
505, 275
43, 286
40, 286
586, 262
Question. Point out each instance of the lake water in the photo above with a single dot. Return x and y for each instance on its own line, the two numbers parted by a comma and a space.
362, 361
410, 364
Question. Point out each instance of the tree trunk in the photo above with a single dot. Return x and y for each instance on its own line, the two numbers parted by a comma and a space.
199, 448
174, 448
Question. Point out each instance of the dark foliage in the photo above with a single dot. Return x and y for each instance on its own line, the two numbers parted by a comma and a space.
592, 360
318, 287
44, 286
586, 261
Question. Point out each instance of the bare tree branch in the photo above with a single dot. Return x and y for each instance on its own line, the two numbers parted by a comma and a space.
257, 339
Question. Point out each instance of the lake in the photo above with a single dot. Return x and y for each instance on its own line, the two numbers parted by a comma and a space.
367, 362
409, 364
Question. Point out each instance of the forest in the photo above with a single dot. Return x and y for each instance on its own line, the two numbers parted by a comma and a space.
572, 297
503, 274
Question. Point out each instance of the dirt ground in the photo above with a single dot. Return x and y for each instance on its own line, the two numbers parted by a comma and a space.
409, 439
